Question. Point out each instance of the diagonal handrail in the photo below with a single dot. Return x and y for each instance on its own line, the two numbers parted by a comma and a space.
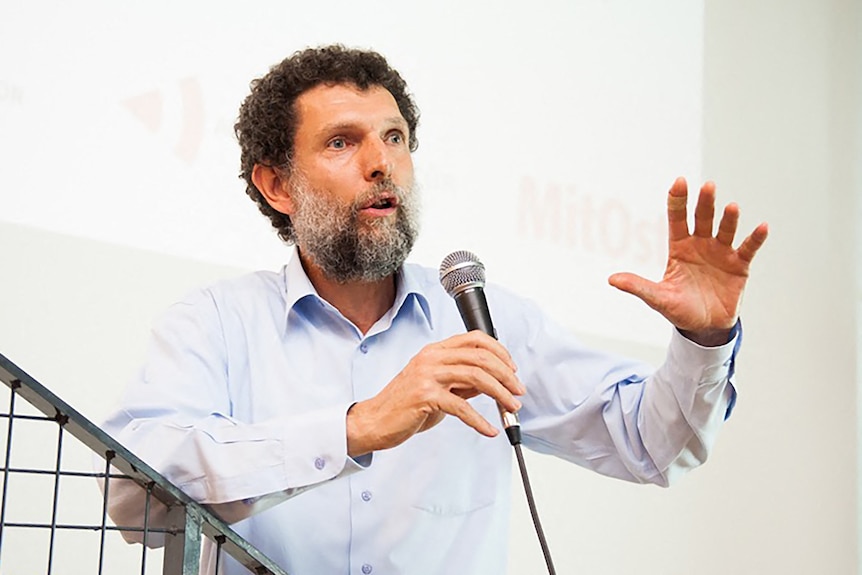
186, 516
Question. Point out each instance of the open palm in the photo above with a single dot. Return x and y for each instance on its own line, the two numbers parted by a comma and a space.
705, 277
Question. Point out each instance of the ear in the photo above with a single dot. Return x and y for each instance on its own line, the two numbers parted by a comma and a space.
274, 186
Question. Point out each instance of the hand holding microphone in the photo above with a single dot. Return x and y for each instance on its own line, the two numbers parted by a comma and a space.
437, 382
463, 278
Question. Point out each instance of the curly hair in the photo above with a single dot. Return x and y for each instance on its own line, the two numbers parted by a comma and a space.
267, 121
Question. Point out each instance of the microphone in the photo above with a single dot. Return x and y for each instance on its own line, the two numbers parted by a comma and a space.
463, 278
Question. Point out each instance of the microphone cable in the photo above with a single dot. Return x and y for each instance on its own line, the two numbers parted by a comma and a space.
513, 432
531, 503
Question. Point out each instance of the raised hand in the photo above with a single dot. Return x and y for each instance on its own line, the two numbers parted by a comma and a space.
437, 382
702, 287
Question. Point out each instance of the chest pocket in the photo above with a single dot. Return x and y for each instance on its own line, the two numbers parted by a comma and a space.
460, 470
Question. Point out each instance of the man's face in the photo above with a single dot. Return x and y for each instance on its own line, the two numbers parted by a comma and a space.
354, 210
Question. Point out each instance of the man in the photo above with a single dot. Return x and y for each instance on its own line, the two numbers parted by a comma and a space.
345, 384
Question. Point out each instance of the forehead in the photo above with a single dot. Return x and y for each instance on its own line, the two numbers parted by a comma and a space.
326, 105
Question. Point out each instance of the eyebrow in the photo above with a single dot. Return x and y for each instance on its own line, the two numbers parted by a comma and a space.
392, 121
398, 121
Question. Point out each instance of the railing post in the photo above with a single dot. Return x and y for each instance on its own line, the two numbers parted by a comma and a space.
183, 541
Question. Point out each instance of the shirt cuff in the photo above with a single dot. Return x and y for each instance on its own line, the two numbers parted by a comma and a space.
734, 331
307, 464
310, 462
694, 367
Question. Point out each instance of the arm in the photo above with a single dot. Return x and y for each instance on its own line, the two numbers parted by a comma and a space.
637, 424
620, 417
178, 416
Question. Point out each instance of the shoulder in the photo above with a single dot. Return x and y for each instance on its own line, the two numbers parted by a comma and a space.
512, 314
426, 280
262, 290
260, 283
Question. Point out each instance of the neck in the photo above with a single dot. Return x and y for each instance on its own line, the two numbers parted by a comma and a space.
361, 302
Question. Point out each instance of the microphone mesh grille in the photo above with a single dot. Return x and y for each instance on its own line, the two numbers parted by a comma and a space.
461, 269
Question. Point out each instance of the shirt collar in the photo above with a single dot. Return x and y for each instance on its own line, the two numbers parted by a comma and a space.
297, 286
409, 283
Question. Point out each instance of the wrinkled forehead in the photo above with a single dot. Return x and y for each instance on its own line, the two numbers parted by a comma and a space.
346, 104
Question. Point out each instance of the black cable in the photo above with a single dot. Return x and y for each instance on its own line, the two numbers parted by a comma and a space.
532, 505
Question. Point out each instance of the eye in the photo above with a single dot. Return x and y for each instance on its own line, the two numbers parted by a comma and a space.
337, 143
396, 137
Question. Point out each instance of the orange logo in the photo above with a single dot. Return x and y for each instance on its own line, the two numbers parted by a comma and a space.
148, 108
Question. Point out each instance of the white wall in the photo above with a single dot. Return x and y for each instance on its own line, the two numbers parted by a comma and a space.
781, 110
781, 131
561, 123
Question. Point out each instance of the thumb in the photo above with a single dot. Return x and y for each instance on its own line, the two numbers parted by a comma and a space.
637, 286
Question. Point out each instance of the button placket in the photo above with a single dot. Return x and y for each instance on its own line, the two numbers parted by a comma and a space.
362, 509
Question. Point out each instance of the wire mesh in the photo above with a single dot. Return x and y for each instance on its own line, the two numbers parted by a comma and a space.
53, 516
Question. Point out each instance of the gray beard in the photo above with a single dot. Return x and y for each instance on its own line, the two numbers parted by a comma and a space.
348, 249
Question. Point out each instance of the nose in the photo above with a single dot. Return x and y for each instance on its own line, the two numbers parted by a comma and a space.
378, 164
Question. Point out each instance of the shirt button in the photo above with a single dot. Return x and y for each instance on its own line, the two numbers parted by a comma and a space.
363, 348
367, 569
366, 496
319, 463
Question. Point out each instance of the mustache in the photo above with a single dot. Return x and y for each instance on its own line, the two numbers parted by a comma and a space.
383, 189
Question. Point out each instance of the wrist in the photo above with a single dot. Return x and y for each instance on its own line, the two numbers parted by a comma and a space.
710, 337
356, 444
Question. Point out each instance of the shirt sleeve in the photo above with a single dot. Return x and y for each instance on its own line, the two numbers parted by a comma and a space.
176, 416
620, 417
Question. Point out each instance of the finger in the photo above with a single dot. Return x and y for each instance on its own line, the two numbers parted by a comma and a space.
460, 408
677, 214
461, 378
636, 285
753, 242
704, 213
728, 224
479, 339
451, 355
469, 371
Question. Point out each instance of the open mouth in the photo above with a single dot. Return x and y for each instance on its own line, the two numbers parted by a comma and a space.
383, 203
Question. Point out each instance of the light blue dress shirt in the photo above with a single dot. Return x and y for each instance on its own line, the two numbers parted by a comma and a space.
242, 403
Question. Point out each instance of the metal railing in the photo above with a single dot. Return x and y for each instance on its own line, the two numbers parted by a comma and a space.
25, 509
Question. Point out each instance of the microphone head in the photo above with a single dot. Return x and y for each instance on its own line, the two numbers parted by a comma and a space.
460, 271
